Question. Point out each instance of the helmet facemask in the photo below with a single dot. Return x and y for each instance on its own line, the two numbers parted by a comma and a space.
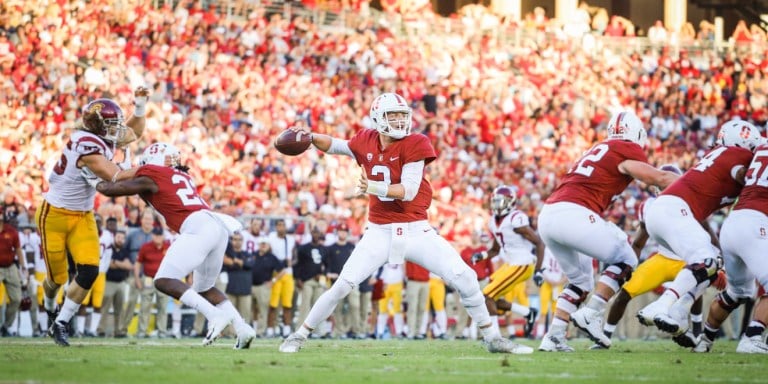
396, 124
502, 201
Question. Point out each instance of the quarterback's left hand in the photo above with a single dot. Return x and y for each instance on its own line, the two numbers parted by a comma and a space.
538, 277
362, 184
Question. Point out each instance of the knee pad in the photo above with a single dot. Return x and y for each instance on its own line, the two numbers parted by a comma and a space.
86, 275
615, 275
705, 270
727, 302
571, 298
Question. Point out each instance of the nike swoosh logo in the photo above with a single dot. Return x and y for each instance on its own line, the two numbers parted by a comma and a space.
394, 158
427, 230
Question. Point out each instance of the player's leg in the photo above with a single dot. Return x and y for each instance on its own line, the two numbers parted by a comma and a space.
82, 241
97, 301
53, 234
433, 252
670, 222
369, 254
437, 297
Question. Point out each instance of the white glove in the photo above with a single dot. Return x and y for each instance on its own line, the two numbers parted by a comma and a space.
89, 177
126, 164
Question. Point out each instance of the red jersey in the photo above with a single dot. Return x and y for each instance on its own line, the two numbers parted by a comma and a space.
415, 272
9, 243
710, 184
176, 197
150, 257
483, 268
595, 179
755, 193
387, 165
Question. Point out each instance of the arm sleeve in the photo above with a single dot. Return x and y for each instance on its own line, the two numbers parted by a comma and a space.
340, 147
411, 179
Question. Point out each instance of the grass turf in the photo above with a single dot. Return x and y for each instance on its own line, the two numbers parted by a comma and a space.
328, 361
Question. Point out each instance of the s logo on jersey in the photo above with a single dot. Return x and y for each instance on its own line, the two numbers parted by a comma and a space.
369, 157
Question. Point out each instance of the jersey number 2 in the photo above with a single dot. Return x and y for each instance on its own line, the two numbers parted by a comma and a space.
186, 191
593, 156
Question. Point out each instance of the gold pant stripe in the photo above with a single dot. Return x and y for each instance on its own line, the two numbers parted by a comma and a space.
510, 279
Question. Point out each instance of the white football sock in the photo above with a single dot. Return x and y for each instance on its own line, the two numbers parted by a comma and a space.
398, 324
68, 309
227, 307
199, 303
441, 319
95, 319
520, 309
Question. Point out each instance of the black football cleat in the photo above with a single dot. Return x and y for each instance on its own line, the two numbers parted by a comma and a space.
530, 322
59, 333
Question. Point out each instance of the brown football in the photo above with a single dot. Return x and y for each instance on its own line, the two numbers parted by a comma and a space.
292, 143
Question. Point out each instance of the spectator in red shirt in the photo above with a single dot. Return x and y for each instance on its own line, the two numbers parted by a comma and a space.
147, 263
11, 254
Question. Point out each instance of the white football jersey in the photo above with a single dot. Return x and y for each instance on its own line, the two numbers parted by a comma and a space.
652, 247
68, 188
392, 273
250, 241
106, 240
515, 249
32, 244
282, 248
553, 274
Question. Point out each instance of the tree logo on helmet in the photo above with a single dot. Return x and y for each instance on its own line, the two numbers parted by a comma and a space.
745, 132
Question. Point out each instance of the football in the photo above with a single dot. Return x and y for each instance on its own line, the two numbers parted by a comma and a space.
292, 143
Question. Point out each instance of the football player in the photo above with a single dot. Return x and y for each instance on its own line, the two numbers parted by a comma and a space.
662, 266
673, 221
65, 217
393, 161
744, 241
571, 226
514, 241
203, 237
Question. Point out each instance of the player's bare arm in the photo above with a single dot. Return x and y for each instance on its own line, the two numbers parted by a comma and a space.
647, 173
529, 234
103, 168
128, 187
138, 121
640, 239
739, 173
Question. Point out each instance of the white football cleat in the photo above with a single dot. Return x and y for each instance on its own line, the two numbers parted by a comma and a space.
554, 343
292, 343
675, 321
752, 344
704, 345
215, 327
649, 312
591, 322
245, 336
502, 345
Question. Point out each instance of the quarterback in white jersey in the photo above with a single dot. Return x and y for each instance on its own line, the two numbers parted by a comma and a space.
514, 242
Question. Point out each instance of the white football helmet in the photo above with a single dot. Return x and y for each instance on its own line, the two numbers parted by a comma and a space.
739, 133
627, 126
156, 154
392, 126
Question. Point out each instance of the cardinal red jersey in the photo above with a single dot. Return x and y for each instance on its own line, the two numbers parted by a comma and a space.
755, 192
387, 166
710, 184
176, 196
595, 179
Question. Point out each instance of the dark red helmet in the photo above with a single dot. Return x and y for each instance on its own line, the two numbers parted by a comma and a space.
104, 118
26, 303
503, 200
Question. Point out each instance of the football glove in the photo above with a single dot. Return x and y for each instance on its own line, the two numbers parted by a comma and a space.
720, 281
89, 177
479, 256
538, 277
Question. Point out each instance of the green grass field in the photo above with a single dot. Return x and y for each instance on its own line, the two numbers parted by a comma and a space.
327, 361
